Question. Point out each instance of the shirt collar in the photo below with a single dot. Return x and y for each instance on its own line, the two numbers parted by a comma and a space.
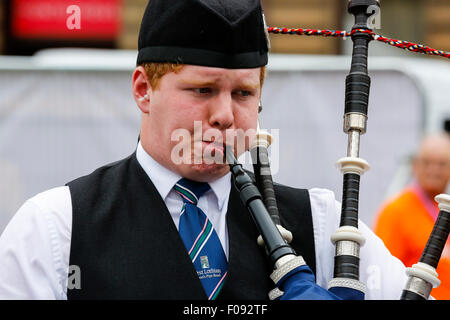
164, 179
221, 188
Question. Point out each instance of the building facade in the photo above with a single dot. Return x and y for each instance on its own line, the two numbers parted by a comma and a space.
423, 21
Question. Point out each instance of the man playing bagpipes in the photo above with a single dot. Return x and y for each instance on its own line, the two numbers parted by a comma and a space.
160, 224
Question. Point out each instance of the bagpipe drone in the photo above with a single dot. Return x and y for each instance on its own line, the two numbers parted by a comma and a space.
293, 278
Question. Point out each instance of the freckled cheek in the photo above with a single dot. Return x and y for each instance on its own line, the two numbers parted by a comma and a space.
176, 108
245, 119
245, 129
181, 122
165, 119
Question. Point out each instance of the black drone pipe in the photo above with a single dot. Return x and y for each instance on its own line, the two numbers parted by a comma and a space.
263, 174
251, 197
347, 238
423, 276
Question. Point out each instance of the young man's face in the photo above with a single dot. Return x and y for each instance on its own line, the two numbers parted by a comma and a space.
220, 101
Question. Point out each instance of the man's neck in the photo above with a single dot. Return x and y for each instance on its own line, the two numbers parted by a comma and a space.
431, 194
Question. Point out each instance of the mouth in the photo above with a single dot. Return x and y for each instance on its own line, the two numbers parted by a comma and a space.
214, 149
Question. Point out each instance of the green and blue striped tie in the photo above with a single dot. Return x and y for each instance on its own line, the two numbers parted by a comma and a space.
200, 238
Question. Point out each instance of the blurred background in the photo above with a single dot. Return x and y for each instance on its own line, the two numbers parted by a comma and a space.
30, 25
66, 105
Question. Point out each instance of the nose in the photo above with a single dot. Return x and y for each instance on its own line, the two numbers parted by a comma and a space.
221, 115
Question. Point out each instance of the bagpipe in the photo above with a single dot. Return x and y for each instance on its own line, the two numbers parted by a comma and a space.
293, 278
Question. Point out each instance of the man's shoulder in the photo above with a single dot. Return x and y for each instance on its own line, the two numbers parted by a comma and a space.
399, 208
109, 169
316, 194
52, 207
54, 199
288, 187
321, 194
400, 200
319, 198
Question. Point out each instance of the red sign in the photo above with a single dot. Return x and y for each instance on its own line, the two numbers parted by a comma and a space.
66, 19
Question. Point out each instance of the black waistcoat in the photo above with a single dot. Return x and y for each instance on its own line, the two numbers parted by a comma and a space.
127, 247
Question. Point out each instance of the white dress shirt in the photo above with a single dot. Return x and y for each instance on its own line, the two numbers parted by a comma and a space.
35, 246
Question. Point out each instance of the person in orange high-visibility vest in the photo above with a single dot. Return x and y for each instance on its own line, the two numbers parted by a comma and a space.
405, 221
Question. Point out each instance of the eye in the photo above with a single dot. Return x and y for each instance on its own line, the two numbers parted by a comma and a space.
244, 93
202, 91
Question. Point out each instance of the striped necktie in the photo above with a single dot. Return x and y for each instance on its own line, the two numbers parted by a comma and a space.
200, 238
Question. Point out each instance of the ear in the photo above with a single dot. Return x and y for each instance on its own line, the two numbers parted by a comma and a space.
141, 89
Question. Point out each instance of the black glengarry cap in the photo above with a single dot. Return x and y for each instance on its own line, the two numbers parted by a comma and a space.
214, 33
